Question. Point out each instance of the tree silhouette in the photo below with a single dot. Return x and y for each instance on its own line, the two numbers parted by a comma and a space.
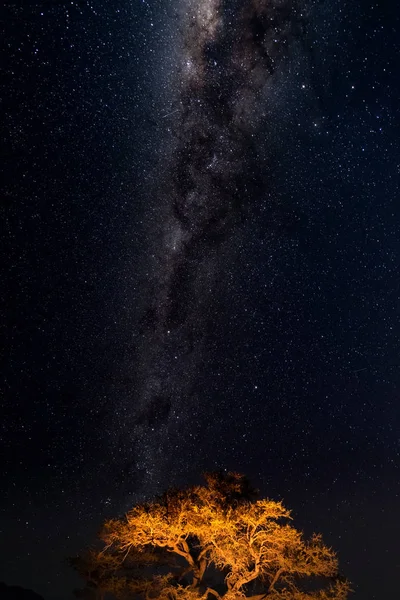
212, 541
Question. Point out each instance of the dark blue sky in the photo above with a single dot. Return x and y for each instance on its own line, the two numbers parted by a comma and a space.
298, 381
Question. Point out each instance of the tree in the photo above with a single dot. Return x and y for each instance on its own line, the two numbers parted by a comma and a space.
213, 541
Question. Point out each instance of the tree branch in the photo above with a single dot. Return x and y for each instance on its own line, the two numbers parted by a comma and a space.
186, 555
204, 552
275, 579
213, 592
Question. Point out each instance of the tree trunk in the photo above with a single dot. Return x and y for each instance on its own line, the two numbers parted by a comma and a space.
198, 573
196, 578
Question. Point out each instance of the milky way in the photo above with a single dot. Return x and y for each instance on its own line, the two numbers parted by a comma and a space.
230, 52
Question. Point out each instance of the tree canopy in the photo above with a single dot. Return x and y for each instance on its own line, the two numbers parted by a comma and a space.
211, 541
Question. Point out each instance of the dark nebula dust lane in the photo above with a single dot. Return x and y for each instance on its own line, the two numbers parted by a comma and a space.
229, 54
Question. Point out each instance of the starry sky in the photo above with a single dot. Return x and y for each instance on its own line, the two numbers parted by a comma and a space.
201, 230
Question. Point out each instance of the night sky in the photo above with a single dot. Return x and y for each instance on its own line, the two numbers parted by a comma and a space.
200, 226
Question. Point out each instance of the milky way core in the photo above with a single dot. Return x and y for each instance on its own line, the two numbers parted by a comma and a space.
229, 54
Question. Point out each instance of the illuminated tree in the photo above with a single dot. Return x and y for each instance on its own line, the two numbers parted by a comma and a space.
214, 541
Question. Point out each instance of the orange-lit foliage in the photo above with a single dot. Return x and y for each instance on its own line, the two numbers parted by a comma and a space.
215, 541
